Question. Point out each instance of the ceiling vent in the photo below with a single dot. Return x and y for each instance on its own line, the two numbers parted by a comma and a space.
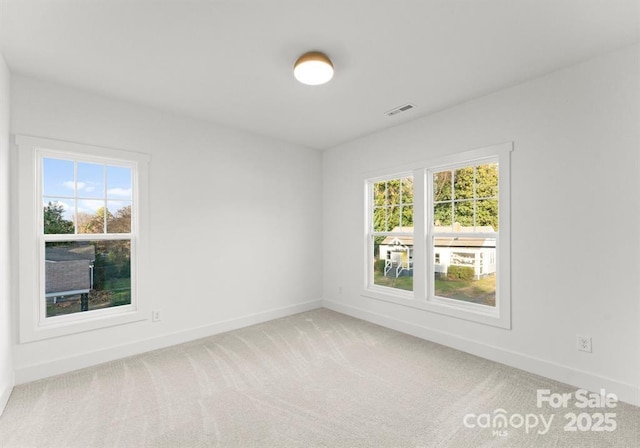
399, 109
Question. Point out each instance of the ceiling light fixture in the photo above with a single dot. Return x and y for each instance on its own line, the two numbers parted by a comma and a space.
313, 68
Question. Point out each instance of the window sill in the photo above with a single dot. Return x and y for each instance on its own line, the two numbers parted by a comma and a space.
452, 308
54, 327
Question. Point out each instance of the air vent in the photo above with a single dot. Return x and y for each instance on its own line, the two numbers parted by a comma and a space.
399, 109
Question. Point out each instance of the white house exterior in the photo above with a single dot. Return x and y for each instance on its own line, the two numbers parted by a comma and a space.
397, 252
69, 270
476, 252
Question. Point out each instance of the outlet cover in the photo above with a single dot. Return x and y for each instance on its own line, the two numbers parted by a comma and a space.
156, 315
583, 343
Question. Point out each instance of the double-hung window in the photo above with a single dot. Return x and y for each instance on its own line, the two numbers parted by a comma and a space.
438, 236
463, 232
390, 233
82, 240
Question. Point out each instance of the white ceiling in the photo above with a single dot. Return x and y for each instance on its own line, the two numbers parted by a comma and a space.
230, 61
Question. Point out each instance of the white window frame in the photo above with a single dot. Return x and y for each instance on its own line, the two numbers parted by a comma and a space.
34, 325
424, 254
370, 234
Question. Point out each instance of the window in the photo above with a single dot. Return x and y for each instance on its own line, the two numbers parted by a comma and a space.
88, 239
453, 245
86, 233
391, 233
464, 231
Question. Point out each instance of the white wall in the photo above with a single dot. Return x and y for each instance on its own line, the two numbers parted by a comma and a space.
235, 222
575, 220
6, 334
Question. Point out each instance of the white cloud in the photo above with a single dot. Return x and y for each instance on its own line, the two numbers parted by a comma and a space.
67, 209
124, 192
71, 185
64, 205
89, 206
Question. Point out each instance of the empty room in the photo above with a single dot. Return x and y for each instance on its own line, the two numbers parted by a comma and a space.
319, 223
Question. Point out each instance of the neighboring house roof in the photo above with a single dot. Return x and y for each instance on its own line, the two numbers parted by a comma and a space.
457, 228
445, 241
405, 240
466, 242
68, 269
70, 253
66, 277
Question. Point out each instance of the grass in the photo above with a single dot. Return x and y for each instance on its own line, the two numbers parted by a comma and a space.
403, 282
115, 292
117, 283
481, 291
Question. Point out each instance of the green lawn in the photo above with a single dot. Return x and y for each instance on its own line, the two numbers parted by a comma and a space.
403, 282
481, 291
116, 292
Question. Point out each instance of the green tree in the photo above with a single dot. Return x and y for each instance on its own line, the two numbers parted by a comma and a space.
120, 222
392, 204
54, 222
93, 223
467, 196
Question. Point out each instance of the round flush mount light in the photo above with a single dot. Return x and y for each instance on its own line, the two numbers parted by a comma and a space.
313, 68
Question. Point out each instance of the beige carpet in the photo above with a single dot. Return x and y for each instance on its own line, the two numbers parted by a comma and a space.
316, 379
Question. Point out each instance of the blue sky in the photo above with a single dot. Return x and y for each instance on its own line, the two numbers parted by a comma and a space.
88, 191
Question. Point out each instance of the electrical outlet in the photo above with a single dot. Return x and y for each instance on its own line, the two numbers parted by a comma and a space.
156, 315
583, 343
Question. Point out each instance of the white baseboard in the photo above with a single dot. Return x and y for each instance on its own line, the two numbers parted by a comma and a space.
627, 393
39, 371
5, 393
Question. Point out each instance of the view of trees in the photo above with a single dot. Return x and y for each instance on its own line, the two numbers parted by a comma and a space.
54, 221
468, 196
392, 204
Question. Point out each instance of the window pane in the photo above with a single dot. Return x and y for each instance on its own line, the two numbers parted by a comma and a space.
119, 183
90, 180
90, 216
442, 186
58, 177
442, 216
118, 216
379, 193
58, 215
379, 219
392, 205
407, 190
406, 218
487, 215
87, 275
463, 215
487, 181
393, 191
465, 269
393, 222
393, 262
463, 183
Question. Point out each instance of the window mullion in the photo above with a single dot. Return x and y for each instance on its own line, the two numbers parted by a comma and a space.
453, 195
75, 197
104, 196
475, 200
